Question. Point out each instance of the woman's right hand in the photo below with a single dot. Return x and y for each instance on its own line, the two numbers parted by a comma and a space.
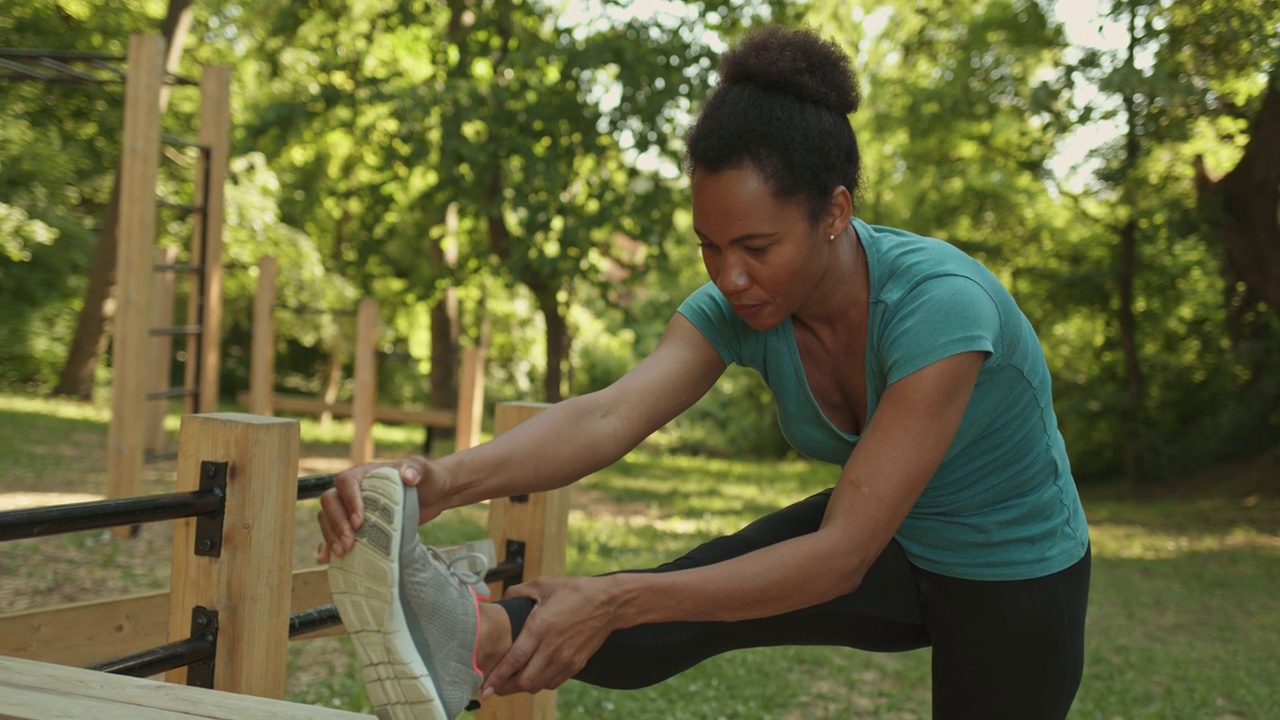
342, 510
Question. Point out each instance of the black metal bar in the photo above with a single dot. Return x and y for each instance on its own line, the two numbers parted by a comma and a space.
59, 54
67, 70
194, 651
25, 71
177, 267
202, 281
101, 64
181, 142
313, 620
172, 393
313, 486
509, 571
74, 517
176, 330
154, 661
184, 207
173, 79
309, 310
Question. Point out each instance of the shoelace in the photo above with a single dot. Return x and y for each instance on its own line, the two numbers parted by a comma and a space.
465, 575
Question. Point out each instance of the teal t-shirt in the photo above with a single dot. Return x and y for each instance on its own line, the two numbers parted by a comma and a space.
1003, 504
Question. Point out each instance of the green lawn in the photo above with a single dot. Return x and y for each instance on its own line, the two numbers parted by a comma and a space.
1184, 615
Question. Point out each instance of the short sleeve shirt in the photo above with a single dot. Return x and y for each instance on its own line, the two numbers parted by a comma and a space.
1003, 504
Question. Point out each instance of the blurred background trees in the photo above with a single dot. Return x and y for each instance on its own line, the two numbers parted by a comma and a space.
509, 173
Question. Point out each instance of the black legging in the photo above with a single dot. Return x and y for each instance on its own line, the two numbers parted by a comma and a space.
1001, 649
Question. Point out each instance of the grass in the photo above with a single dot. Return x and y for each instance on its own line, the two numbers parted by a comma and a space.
1184, 614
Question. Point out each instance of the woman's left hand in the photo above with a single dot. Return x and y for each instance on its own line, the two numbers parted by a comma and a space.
570, 621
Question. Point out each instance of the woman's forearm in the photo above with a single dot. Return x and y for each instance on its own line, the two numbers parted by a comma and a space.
560, 445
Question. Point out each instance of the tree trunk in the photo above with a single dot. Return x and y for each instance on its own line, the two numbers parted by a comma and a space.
332, 382
557, 344
1133, 421
1133, 389
90, 339
1244, 206
444, 320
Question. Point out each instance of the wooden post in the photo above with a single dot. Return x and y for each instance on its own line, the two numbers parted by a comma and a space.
262, 348
206, 241
161, 349
249, 583
541, 521
136, 229
365, 396
470, 400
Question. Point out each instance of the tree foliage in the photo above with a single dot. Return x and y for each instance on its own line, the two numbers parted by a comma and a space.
527, 156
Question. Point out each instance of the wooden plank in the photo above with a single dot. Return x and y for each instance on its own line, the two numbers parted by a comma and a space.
541, 521
365, 393
306, 405
42, 691
262, 349
215, 134
249, 583
136, 228
470, 399
91, 632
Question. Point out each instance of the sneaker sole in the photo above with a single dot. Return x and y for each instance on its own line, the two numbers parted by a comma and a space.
366, 588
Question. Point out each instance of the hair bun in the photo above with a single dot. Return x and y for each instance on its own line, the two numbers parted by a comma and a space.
796, 62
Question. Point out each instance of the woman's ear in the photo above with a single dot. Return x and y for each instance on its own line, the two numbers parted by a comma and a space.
839, 211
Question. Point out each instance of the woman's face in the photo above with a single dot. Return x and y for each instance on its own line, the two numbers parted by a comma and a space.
764, 254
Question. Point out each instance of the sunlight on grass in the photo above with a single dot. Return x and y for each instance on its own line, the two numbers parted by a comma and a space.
1134, 542
55, 407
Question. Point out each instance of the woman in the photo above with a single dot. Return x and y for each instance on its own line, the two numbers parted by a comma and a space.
954, 523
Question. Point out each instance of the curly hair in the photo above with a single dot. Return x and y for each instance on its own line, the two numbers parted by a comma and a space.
781, 105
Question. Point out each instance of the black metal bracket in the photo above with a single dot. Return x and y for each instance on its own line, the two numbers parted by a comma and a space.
204, 625
514, 555
213, 478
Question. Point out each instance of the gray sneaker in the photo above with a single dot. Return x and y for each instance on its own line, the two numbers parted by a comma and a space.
413, 619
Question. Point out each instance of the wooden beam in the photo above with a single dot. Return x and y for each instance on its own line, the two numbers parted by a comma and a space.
541, 521
470, 399
130, 355
262, 348
306, 405
365, 394
42, 691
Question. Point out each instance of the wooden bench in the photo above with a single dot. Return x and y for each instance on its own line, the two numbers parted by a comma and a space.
31, 690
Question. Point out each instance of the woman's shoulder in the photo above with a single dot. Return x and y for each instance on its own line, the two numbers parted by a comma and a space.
901, 261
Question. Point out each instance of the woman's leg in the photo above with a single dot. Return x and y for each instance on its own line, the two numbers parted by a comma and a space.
883, 614
1006, 649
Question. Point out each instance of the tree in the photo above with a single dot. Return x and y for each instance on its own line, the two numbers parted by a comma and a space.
95, 314
1176, 90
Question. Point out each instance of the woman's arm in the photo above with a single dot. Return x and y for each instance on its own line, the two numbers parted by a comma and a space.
558, 446
896, 457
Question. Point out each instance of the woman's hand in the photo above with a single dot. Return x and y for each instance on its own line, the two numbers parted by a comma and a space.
571, 620
342, 511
